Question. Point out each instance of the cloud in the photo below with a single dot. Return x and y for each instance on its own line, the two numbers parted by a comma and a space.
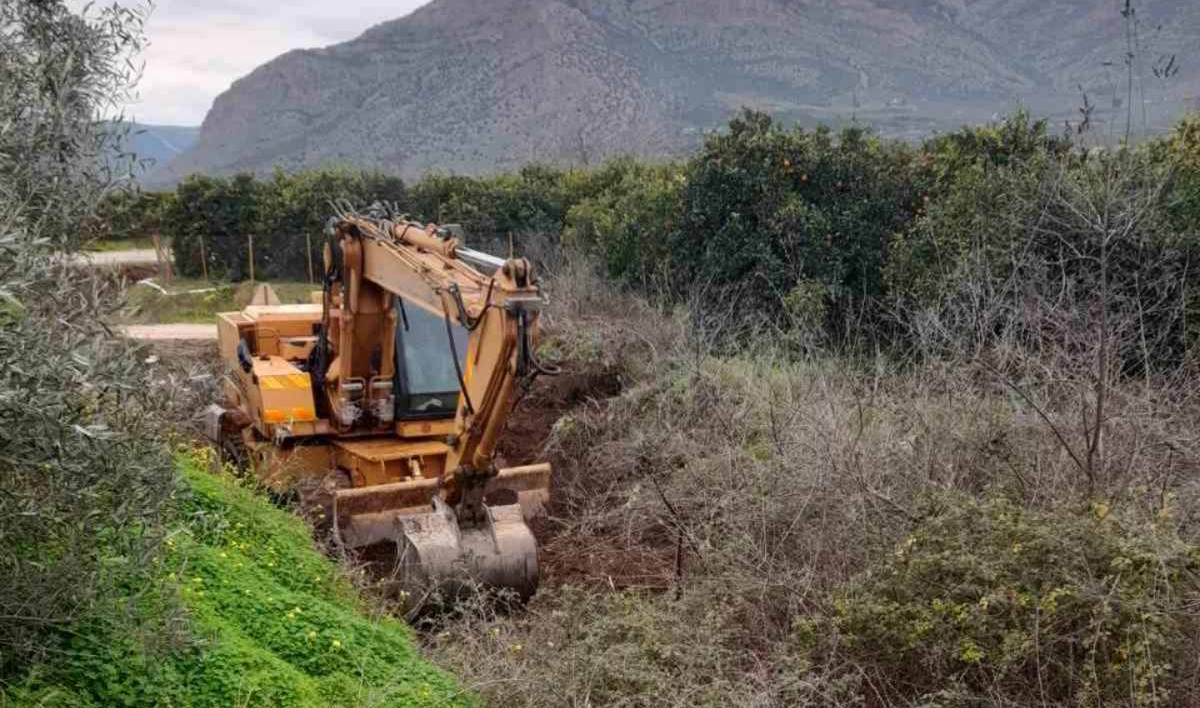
199, 47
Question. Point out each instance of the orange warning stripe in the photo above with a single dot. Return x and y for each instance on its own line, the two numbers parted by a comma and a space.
278, 383
278, 416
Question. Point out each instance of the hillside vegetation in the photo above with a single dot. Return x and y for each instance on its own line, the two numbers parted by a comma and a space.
868, 423
270, 622
843, 422
125, 581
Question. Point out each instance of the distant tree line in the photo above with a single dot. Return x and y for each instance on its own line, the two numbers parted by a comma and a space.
814, 231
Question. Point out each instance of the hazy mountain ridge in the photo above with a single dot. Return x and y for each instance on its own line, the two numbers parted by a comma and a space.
481, 85
157, 145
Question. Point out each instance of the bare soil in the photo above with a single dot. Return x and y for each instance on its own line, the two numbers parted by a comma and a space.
566, 558
603, 557
550, 398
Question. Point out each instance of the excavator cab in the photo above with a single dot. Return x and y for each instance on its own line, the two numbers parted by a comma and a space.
426, 381
383, 402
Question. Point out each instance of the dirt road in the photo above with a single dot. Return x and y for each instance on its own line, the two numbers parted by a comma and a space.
172, 332
137, 256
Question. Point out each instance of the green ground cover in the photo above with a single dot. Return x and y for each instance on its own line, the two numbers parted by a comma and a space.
271, 623
123, 244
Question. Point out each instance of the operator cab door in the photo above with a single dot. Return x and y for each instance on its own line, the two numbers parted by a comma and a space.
426, 383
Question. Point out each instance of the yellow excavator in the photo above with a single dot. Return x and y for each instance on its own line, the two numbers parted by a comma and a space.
385, 397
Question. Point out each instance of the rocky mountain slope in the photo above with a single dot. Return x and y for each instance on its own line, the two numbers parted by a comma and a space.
480, 85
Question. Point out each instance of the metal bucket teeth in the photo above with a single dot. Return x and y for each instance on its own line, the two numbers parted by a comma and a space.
433, 551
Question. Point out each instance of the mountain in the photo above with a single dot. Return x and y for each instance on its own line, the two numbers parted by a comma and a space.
473, 86
157, 144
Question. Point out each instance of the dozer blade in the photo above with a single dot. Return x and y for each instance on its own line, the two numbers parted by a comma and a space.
432, 549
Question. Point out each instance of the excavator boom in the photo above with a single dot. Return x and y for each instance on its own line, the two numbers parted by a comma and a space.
387, 400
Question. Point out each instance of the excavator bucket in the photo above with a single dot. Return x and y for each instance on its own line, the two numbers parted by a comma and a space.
429, 548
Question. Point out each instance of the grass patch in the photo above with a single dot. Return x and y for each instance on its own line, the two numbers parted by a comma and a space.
274, 624
125, 244
198, 301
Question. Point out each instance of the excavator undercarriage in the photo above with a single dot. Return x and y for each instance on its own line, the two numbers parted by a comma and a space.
382, 401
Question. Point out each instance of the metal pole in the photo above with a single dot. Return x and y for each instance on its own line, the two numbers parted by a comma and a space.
169, 263
164, 268
203, 260
308, 251
250, 250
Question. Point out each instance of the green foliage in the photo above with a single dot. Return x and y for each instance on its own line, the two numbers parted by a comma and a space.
531, 200
128, 216
217, 216
85, 479
820, 233
1182, 151
1009, 143
275, 625
60, 70
1030, 253
291, 206
531, 206
625, 222
1083, 609
765, 209
969, 182
213, 216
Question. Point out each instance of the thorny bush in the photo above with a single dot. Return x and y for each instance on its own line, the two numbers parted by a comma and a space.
725, 530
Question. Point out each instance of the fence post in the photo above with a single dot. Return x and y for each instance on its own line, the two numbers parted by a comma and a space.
164, 260
203, 260
308, 252
157, 252
250, 250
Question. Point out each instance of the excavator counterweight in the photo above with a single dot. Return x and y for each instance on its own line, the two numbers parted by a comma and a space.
383, 401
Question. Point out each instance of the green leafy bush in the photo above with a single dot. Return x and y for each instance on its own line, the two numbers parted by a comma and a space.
531, 200
626, 223
766, 209
213, 217
974, 183
129, 216
217, 216
1081, 609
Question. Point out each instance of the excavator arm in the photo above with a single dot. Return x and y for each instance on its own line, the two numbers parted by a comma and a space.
379, 274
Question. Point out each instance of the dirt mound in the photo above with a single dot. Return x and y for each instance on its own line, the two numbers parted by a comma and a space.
550, 398
568, 555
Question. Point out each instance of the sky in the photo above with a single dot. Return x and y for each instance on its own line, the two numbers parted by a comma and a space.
199, 47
